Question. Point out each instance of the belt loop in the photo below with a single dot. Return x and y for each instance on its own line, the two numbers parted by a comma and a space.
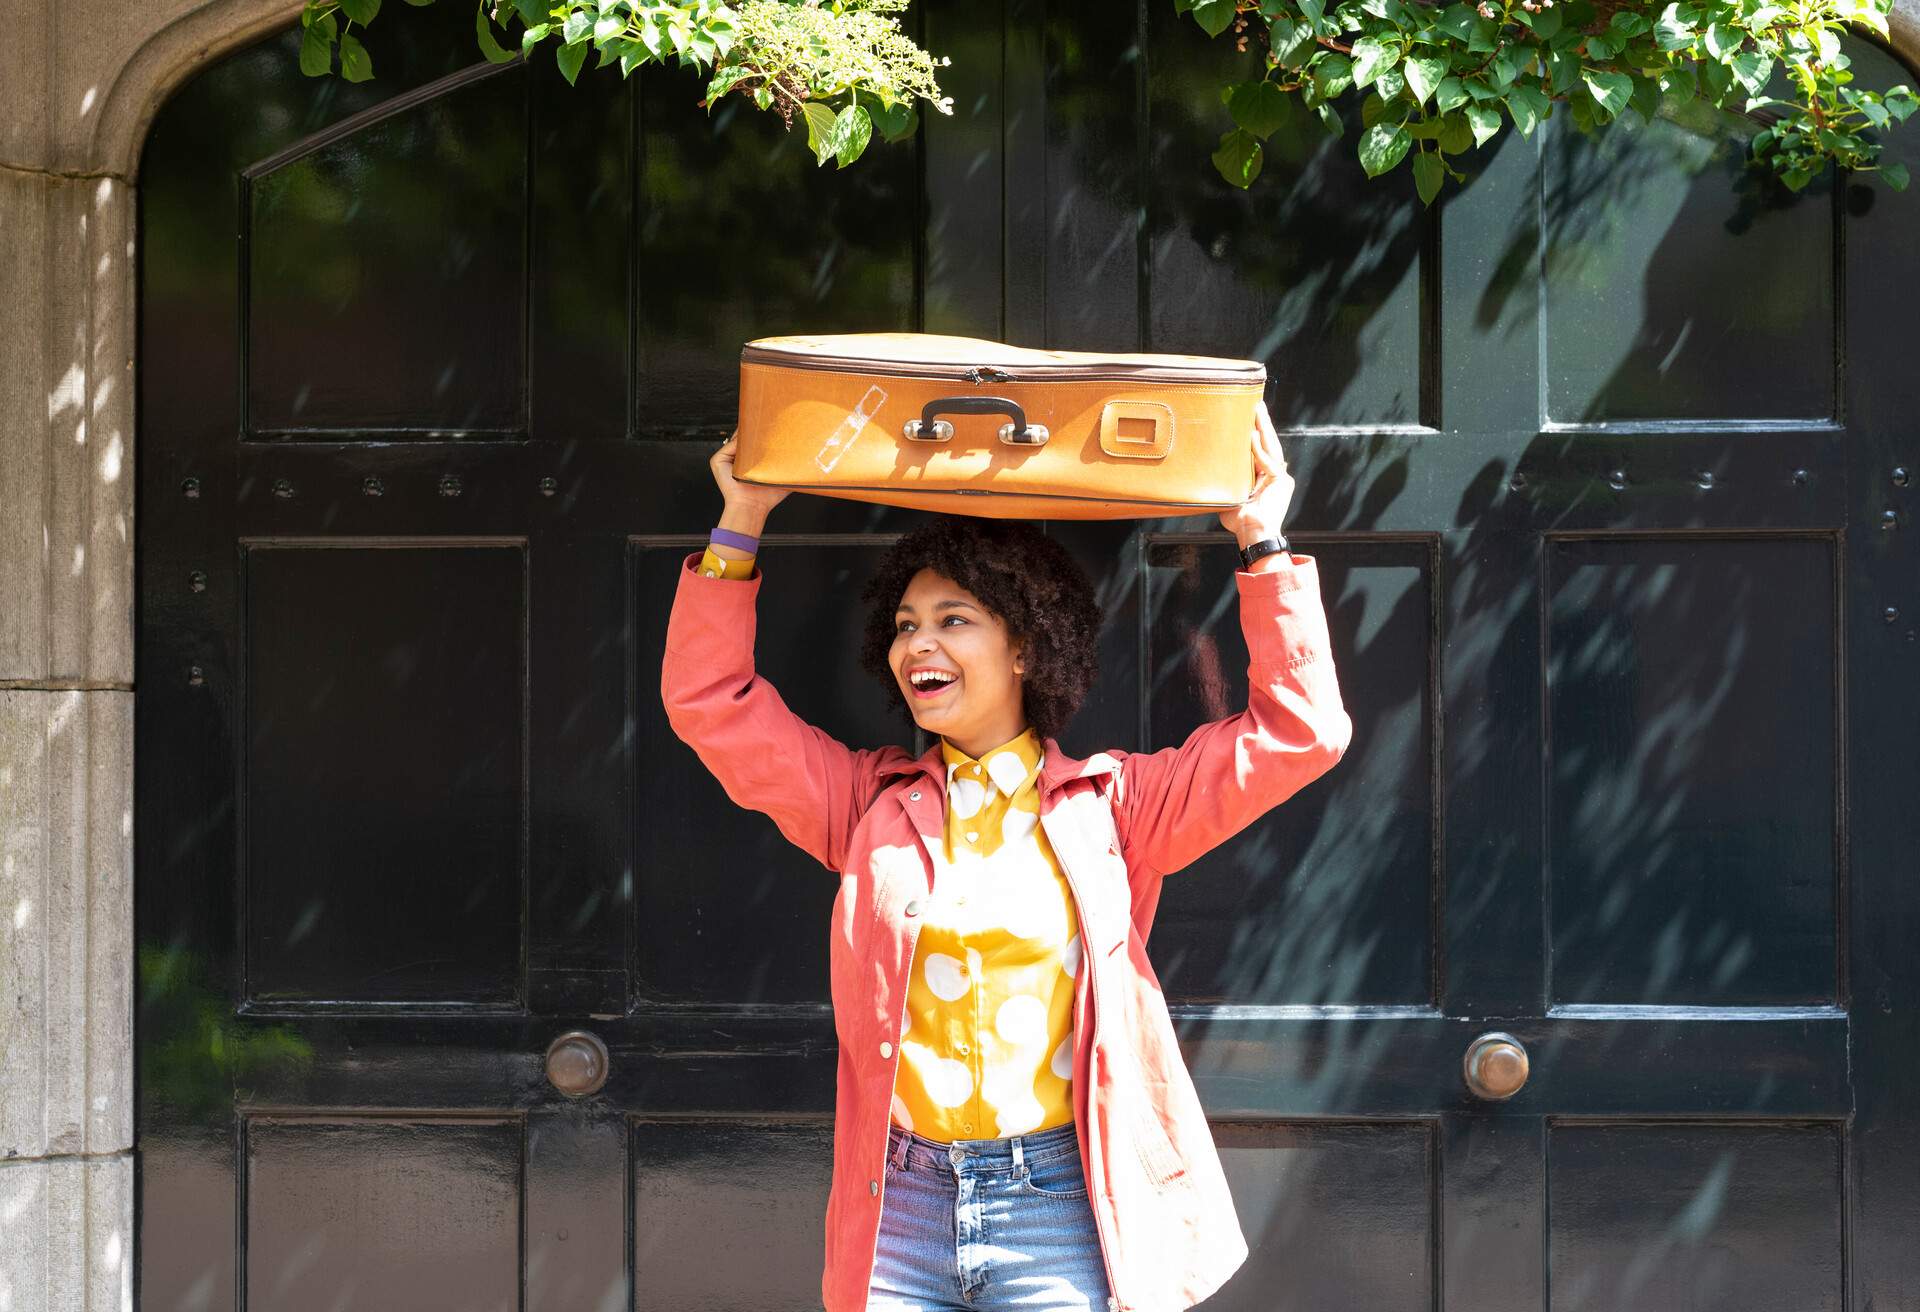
900, 1151
1018, 1161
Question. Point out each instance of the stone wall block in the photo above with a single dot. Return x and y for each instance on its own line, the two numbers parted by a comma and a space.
90, 410
65, 1234
25, 458
66, 922
66, 431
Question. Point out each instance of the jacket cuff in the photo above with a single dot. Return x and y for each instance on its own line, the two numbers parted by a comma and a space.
1281, 612
711, 615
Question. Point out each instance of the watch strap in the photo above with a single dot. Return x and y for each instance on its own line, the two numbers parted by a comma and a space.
1264, 547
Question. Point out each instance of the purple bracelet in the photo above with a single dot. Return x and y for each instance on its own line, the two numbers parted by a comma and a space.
726, 537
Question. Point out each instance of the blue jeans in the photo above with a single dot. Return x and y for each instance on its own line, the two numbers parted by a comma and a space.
983, 1224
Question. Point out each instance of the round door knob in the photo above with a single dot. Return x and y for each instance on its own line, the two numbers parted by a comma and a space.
1496, 1066
577, 1063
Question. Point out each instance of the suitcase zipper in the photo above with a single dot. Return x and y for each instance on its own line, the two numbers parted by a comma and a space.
977, 374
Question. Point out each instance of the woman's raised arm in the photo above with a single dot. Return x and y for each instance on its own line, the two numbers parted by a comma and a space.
1177, 803
765, 757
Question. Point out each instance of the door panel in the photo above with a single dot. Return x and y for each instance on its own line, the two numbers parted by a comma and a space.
1615, 536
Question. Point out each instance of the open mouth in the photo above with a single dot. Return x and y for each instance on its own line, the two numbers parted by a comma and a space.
929, 684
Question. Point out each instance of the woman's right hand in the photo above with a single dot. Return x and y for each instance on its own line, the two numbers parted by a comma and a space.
748, 502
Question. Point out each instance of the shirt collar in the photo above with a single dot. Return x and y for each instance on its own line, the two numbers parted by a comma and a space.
1011, 766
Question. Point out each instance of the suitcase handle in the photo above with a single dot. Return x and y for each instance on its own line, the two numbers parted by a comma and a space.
1018, 433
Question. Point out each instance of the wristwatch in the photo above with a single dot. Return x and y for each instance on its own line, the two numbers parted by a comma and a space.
1264, 547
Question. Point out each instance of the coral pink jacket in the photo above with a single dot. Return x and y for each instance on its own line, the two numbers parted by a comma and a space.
1118, 822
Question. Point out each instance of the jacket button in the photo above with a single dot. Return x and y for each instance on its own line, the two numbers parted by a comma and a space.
873, 1186
913, 797
886, 1049
913, 907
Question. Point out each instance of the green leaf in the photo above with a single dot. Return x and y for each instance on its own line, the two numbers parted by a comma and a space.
1456, 134
1450, 94
1601, 48
1764, 16
1610, 89
1485, 122
1214, 16
1456, 21
1679, 82
1315, 10
1292, 43
1428, 174
1382, 146
533, 36
894, 121
1722, 40
852, 130
316, 53
1672, 32
356, 65
1896, 175
1332, 74
1426, 129
1390, 83
361, 12
1485, 38
1372, 110
1752, 69
1546, 23
723, 81
1645, 97
1527, 106
532, 12
488, 46
1238, 158
570, 58
577, 28
1424, 73
1626, 24
1563, 71
820, 121
1718, 79
1900, 102
653, 35
1371, 58
609, 26
1259, 107
1330, 120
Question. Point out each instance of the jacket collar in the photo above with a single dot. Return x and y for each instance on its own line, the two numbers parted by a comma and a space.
1056, 768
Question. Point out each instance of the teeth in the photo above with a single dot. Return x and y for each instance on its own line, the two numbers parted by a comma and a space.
924, 678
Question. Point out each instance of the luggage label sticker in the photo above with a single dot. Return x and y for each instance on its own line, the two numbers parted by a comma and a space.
848, 430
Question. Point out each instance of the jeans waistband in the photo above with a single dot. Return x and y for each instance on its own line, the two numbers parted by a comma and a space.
981, 1156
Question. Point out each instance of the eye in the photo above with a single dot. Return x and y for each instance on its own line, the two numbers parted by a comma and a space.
961, 618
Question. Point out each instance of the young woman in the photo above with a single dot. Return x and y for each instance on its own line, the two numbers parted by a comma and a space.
1014, 1124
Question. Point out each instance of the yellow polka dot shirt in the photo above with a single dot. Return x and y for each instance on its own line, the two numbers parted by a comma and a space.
986, 1050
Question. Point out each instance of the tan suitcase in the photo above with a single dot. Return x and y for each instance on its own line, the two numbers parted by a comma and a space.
982, 428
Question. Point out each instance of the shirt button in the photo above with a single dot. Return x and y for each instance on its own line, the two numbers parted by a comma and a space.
913, 907
967, 1126
964, 1050
873, 1186
973, 838
886, 1049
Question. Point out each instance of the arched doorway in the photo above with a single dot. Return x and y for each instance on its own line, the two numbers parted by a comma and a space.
429, 366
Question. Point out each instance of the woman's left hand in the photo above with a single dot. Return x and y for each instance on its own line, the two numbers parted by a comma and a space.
1260, 514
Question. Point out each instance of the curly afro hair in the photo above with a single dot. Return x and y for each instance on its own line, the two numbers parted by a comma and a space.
1020, 574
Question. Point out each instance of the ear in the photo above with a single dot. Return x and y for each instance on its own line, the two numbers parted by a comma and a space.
1019, 659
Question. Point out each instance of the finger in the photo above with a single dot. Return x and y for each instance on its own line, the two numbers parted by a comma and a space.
1269, 437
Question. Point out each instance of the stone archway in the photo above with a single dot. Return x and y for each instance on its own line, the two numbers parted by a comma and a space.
78, 97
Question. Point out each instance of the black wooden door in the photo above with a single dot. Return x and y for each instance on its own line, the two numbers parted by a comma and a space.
1617, 539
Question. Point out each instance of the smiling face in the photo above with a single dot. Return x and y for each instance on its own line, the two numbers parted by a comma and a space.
956, 665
